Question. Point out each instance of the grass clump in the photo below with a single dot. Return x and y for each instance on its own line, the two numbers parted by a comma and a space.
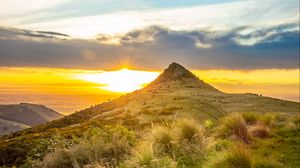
182, 144
236, 156
189, 129
258, 130
267, 120
250, 117
233, 126
144, 157
162, 138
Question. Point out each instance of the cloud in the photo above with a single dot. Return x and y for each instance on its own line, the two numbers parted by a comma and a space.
154, 47
86, 19
6, 32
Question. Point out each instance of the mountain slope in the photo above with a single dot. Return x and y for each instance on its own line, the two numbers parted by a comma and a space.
15, 117
176, 93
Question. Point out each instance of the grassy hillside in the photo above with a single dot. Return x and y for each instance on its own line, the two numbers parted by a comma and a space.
176, 94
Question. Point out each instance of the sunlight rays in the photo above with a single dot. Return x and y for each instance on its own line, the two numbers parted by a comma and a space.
123, 80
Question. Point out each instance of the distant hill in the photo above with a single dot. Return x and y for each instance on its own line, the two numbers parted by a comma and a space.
15, 117
176, 93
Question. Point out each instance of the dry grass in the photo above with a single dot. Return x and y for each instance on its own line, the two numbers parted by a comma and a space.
233, 126
182, 144
260, 131
103, 146
250, 117
189, 129
236, 156
268, 119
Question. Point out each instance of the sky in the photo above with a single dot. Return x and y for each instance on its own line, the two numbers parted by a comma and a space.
239, 46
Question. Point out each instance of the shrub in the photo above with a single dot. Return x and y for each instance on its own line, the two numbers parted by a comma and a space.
233, 126
250, 117
237, 156
260, 131
58, 158
105, 146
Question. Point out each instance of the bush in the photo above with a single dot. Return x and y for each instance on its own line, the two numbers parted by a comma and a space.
237, 156
260, 131
250, 117
105, 146
233, 126
58, 158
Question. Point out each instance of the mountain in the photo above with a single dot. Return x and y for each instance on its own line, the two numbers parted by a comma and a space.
176, 93
15, 117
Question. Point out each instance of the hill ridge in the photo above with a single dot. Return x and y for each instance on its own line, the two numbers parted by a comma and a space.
176, 72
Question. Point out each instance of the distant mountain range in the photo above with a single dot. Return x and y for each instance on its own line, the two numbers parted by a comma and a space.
15, 117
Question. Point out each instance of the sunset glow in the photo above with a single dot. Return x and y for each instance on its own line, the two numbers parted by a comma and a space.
123, 80
72, 81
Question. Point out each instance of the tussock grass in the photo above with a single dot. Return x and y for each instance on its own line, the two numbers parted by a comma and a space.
268, 119
236, 156
181, 144
143, 156
187, 143
258, 130
233, 126
189, 129
250, 117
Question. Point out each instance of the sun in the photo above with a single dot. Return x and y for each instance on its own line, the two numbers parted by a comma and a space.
123, 80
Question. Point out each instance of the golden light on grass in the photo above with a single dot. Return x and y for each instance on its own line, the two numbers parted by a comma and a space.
123, 80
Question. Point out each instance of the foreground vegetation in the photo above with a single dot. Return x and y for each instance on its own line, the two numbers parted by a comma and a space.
239, 140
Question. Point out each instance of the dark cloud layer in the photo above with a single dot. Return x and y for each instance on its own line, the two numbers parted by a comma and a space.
154, 48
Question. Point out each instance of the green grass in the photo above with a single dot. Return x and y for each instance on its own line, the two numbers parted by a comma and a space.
283, 147
182, 143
